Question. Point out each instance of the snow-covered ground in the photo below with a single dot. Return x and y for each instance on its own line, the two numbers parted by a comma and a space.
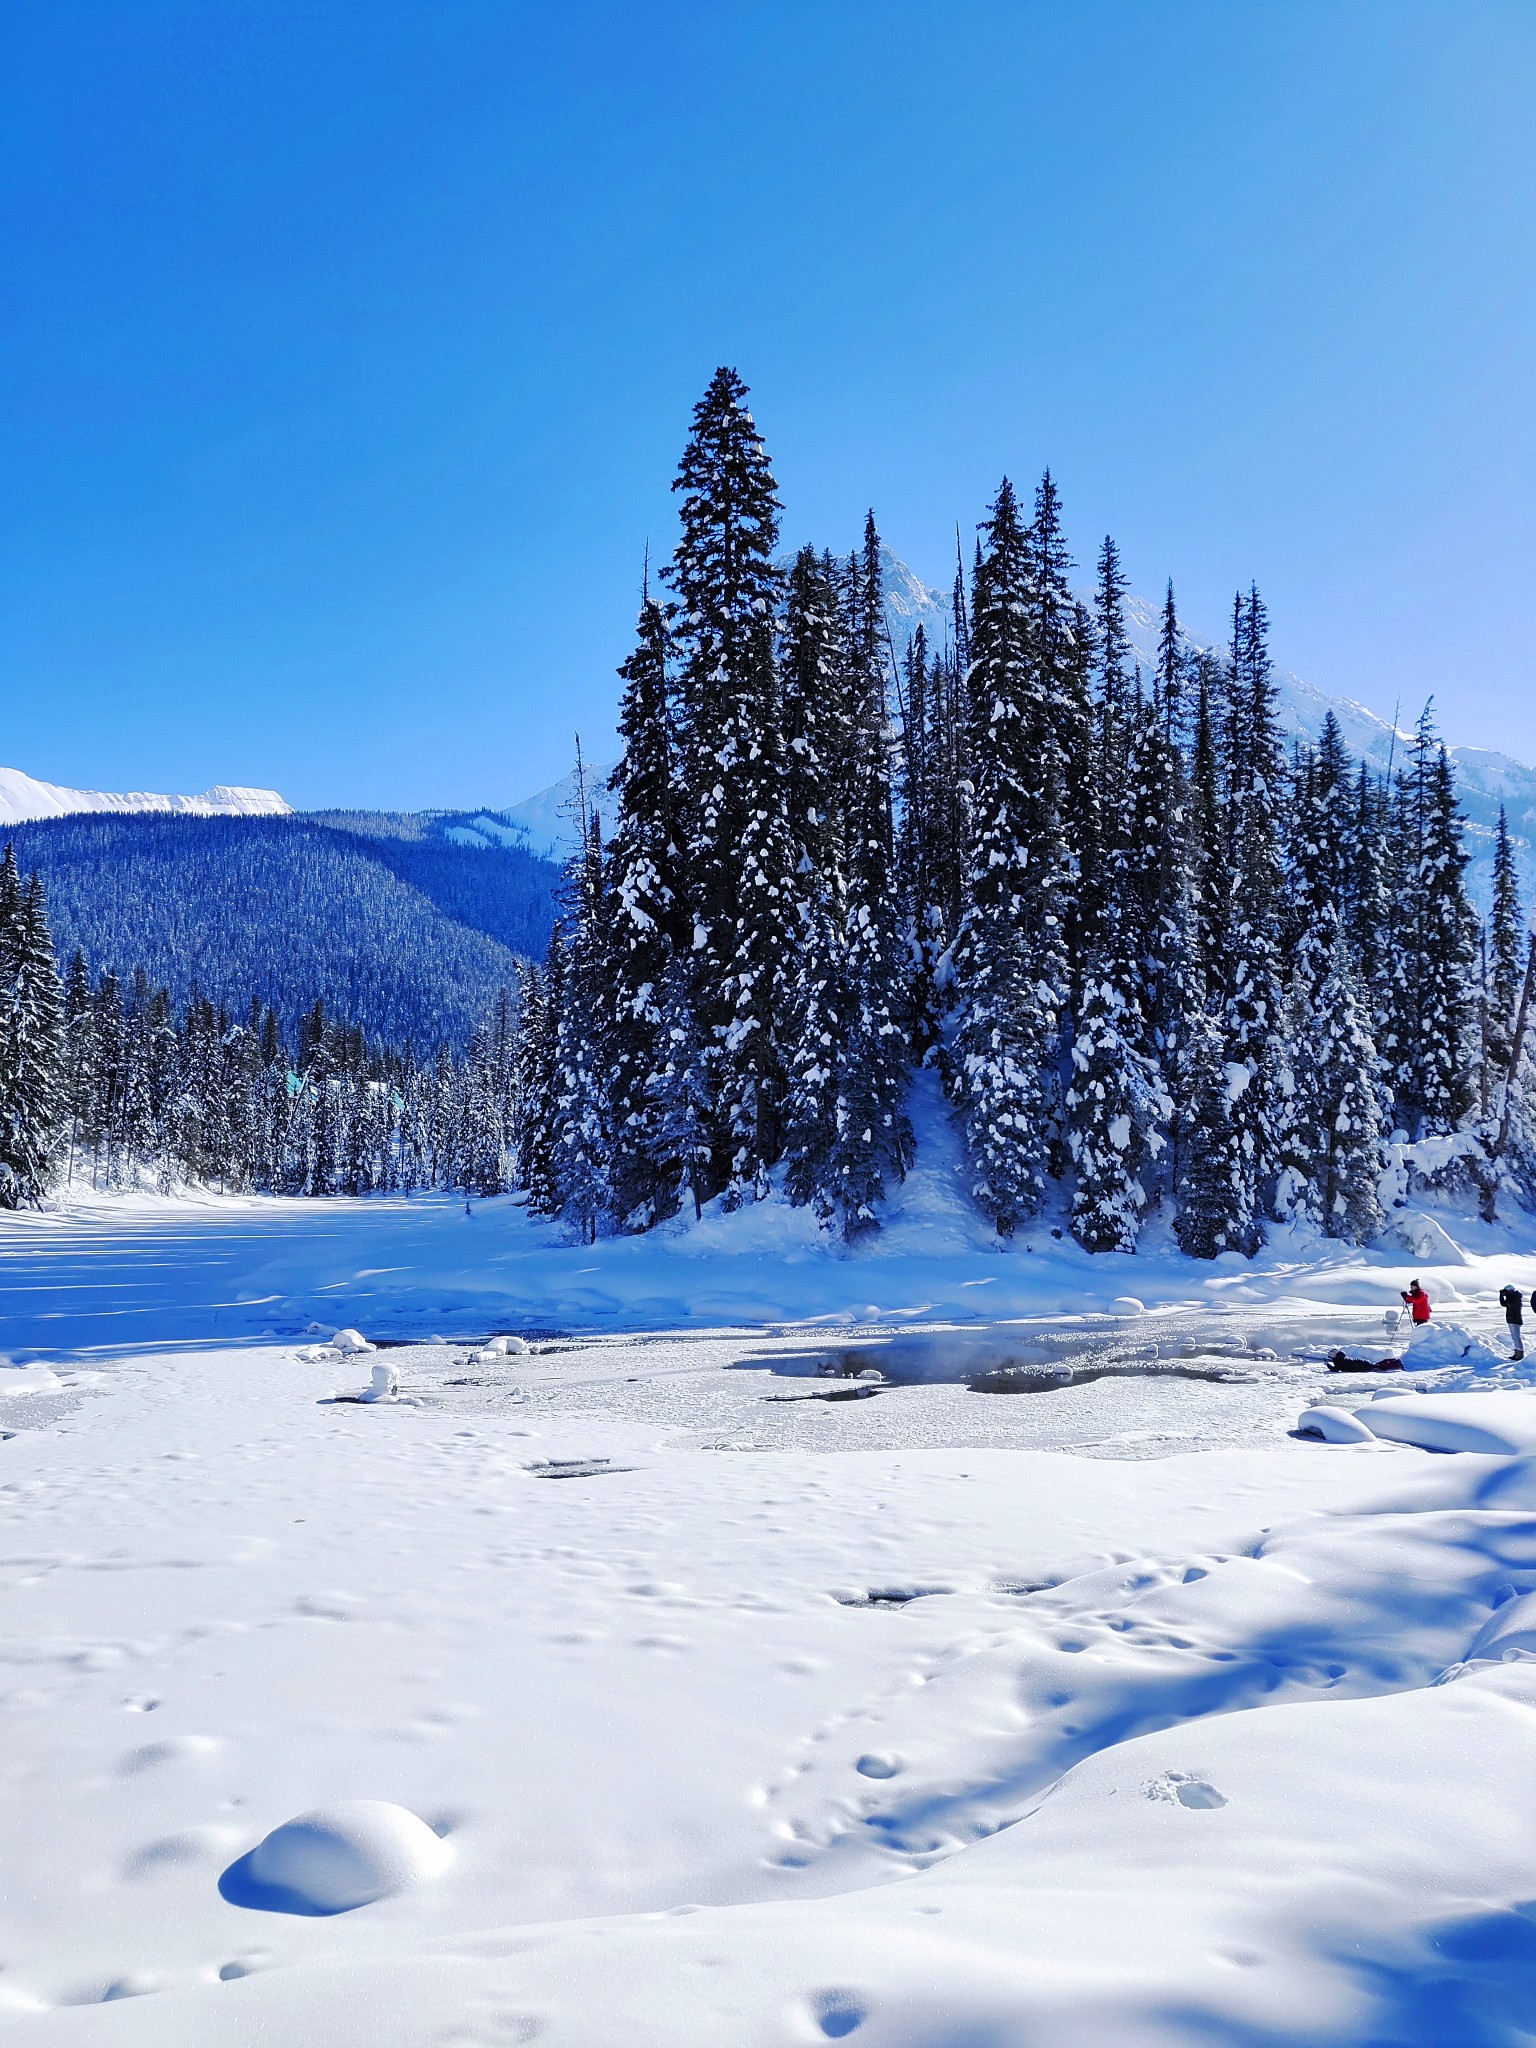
1048, 1689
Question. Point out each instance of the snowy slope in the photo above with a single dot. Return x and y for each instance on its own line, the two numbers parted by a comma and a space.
23, 796
546, 821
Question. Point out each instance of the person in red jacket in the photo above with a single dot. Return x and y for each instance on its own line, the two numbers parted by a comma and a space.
1418, 1303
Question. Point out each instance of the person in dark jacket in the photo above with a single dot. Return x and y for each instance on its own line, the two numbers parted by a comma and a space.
1512, 1301
1418, 1303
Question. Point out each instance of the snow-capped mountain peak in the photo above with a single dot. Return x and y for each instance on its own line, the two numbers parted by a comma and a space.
23, 797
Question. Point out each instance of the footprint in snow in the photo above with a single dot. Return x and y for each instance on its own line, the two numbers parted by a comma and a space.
837, 2013
1178, 1787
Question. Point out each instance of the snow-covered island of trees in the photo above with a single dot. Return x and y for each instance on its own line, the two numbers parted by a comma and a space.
1165, 965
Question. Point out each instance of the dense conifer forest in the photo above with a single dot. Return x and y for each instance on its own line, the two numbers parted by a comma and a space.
390, 923
1164, 964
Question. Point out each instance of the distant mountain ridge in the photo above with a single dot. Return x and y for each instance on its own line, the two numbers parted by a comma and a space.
23, 797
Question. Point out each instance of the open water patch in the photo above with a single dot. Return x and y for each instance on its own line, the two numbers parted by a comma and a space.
1032, 1378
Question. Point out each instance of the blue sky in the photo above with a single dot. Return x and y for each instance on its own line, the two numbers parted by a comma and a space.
346, 351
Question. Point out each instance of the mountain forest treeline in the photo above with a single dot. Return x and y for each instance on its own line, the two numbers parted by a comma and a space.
1164, 965
104, 1085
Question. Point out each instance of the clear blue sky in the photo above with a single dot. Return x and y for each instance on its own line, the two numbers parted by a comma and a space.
346, 350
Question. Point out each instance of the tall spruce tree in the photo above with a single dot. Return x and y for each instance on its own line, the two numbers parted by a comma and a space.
1321, 817
33, 1094
1343, 1079
1504, 970
1215, 1185
870, 1135
1171, 667
643, 899
1010, 956
740, 854
1428, 1040
1249, 975
1062, 647
584, 1051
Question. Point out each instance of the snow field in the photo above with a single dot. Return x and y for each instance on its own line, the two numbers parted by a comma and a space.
619, 1693
594, 1689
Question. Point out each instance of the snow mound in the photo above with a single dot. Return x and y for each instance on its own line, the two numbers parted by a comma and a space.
384, 1384
1450, 1344
347, 1855
1508, 1632
1334, 1426
29, 1379
350, 1342
1424, 1237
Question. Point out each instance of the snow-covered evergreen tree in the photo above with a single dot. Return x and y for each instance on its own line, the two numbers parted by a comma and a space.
1215, 1188
33, 1098
1116, 1113
1321, 821
1428, 1040
1248, 972
644, 900
541, 998
1504, 967
740, 854
584, 1053
1343, 1080
1010, 959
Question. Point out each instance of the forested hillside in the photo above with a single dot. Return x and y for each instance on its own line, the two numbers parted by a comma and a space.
408, 938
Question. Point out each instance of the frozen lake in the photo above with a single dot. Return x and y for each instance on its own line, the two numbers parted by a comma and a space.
745, 1701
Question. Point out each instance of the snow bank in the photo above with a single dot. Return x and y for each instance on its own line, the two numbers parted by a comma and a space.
1509, 1631
1498, 1423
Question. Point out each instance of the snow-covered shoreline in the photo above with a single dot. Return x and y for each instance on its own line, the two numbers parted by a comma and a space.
124, 1268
